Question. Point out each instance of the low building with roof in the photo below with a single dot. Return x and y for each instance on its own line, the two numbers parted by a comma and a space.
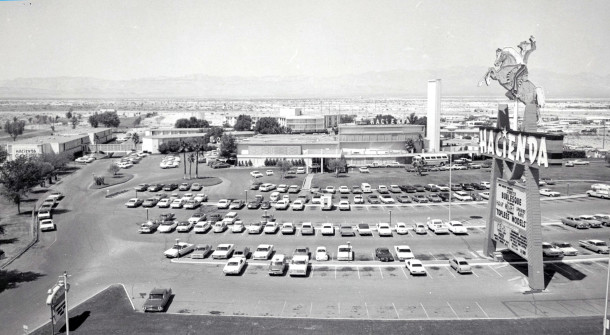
74, 144
151, 143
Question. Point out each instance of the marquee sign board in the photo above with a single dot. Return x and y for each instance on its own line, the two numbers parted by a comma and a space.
510, 222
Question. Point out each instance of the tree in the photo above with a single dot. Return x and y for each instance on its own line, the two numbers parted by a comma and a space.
113, 168
109, 119
3, 154
337, 165
244, 122
93, 121
18, 177
268, 125
422, 121
409, 145
163, 148
412, 118
135, 138
74, 122
192, 122
14, 128
283, 165
173, 146
137, 121
228, 145
69, 115
191, 159
347, 119
216, 132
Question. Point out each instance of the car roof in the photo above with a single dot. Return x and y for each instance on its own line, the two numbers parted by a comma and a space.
158, 290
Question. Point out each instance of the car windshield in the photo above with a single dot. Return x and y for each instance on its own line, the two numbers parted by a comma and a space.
223, 248
299, 261
404, 250
261, 249
233, 264
415, 265
600, 243
167, 223
344, 249
201, 249
563, 245
363, 226
155, 297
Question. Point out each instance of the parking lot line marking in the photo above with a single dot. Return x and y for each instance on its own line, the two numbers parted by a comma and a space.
582, 267
358, 268
339, 307
451, 272
457, 316
395, 310
367, 310
335, 272
310, 307
474, 273
474, 254
422, 306
405, 273
436, 259
311, 273
282, 312
495, 271
482, 310
602, 266
380, 272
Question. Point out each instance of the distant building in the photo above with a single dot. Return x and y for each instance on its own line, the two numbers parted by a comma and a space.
75, 144
298, 122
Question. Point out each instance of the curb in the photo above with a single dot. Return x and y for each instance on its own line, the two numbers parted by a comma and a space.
34, 226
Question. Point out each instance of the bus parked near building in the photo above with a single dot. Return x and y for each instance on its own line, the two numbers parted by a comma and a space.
432, 159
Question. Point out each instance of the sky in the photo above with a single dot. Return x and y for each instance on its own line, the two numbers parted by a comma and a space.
129, 39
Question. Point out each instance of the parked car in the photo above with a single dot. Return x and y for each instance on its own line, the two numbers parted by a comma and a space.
591, 220
47, 225
549, 193
358, 199
344, 189
364, 169
157, 300
575, 222
386, 199
597, 246
395, 189
263, 251
133, 203
223, 251
307, 229
237, 204
184, 226
437, 226
420, 198
255, 228
202, 227
196, 187
266, 187
345, 252
220, 227
373, 199
278, 265
287, 228
322, 254
344, 205
201, 251
282, 204
170, 187
401, 228
256, 174
364, 229
269, 172
404, 199
297, 205
420, 228
179, 249
434, 198
142, 187
403, 252
346, 230
177, 203
415, 267
460, 265
384, 255
298, 265
356, 190
327, 229
456, 227
234, 266
184, 187
384, 229
223, 204
566, 248
549, 250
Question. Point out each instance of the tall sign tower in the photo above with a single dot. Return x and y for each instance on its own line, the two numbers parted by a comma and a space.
433, 131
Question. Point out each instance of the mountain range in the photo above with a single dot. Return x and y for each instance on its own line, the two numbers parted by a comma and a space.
396, 83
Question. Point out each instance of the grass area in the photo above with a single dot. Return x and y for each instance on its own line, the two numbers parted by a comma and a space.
15, 229
110, 180
110, 312
27, 133
203, 181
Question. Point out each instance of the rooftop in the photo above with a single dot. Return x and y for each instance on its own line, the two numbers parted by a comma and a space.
290, 139
176, 135
49, 139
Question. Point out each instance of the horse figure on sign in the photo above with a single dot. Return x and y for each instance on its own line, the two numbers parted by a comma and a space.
510, 70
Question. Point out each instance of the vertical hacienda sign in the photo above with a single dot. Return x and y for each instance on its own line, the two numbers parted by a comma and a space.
513, 216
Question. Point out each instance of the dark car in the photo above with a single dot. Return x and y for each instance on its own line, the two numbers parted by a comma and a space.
404, 199
215, 217
155, 188
419, 188
346, 230
479, 187
548, 181
420, 198
151, 202
384, 255
255, 185
431, 188
254, 204
456, 187
467, 187
303, 197
373, 199
434, 198
356, 190
444, 196
409, 189
220, 165
486, 165
265, 205
157, 300
170, 187
142, 187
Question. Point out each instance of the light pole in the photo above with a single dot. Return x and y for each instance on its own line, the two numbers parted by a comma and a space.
450, 190
390, 217
63, 280
246, 196
606, 323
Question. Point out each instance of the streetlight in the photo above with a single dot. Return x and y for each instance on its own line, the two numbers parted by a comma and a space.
390, 217
246, 196
606, 322
450, 186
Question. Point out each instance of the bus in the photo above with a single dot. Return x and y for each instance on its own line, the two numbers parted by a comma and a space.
432, 159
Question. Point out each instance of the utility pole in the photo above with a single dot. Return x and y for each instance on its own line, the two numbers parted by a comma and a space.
64, 281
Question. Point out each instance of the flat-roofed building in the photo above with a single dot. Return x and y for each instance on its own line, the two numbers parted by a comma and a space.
151, 143
73, 144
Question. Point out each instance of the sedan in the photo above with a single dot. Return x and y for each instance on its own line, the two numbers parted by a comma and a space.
223, 204
434, 198
373, 199
420, 228
364, 229
460, 265
549, 193
401, 228
344, 205
566, 248
46, 225
294, 189
327, 229
184, 226
201, 251
386, 199
415, 267
265, 205
550, 250
403, 252
196, 187
307, 229
191, 204
404, 199
322, 254
142, 187
179, 249
346, 230
150, 202
356, 190
384, 255
457, 227
133, 203
395, 189
263, 251
177, 203
271, 227
298, 205
234, 266
184, 187
202, 227
364, 169
591, 220
575, 222
255, 228
287, 228
254, 204
238, 227
170, 187
237, 204
223, 251
157, 300
358, 199
282, 204
330, 189
384, 229
344, 190
420, 198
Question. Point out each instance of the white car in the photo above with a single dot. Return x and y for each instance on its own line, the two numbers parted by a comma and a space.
201, 197
223, 251
196, 218
484, 195
401, 228
164, 203
179, 249
191, 204
184, 227
386, 199
382, 189
282, 204
403, 252
167, 226
255, 228
298, 265
269, 172
549, 193
566, 248
238, 227
230, 218
266, 187
223, 204
462, 196
177, 203
298, 205
56, 195
364, 169
364, 229
275, 196
437, 226
220, 226
46, 225
345, 253
263, 251
344, 205
344, 189
327, 229
133, 203
457, 227
287, 228
330, 189
358, 199
124, 165
256, 174
486, 184
321, 254
415, 267
234, 266
420, 228
282, 188
580, 162
384, 229
271, 227
202, 227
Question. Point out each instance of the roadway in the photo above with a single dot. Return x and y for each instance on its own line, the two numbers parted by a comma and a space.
98, 244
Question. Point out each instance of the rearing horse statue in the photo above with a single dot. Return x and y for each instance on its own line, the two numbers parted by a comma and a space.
510, 70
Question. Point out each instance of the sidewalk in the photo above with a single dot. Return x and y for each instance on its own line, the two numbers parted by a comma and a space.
307, 182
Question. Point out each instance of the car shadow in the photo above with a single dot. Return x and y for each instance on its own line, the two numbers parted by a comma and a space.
60, 211
8, 240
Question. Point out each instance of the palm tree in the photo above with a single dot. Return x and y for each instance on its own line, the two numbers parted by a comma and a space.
409, 145
183, 146
191, 160
412, 118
